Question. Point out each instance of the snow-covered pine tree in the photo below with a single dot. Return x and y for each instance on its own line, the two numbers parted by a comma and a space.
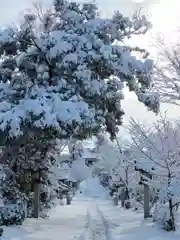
61, 76
25, 159
63, 73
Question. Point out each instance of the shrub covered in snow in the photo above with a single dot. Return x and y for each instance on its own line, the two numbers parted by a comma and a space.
161, 215
9, 188
12, 214
13, 202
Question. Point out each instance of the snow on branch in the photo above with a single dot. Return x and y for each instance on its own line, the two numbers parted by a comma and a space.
167, 70
156, 149
64, 69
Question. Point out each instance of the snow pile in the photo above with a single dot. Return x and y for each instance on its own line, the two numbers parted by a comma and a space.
91, 187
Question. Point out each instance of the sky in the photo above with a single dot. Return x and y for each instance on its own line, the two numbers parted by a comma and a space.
164, 15
10, 9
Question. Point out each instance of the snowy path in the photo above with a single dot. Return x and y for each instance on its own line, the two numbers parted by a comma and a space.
96, 227
105, 222
64, 223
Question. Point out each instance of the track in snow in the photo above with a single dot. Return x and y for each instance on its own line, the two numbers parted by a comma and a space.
96, 227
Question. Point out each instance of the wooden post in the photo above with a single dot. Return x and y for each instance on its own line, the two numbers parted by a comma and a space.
68, 199
146, 191
146, 201
123, 197
146, 194
36, 183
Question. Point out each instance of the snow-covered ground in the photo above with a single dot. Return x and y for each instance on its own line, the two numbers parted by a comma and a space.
129, 225
64, 223
90, 213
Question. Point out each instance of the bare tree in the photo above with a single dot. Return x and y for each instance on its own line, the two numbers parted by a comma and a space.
156, 149
167, 70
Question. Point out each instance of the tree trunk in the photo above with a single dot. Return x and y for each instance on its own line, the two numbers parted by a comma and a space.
127, 185
123, 197
36, 199
146, 201
171, 221
60, 195
127, 193
68, 199
74, 191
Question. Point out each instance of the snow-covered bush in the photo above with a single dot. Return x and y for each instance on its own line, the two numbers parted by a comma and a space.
13, 206
162, 216
9, 188
12, 214
127, 204
136, 205
161, 213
